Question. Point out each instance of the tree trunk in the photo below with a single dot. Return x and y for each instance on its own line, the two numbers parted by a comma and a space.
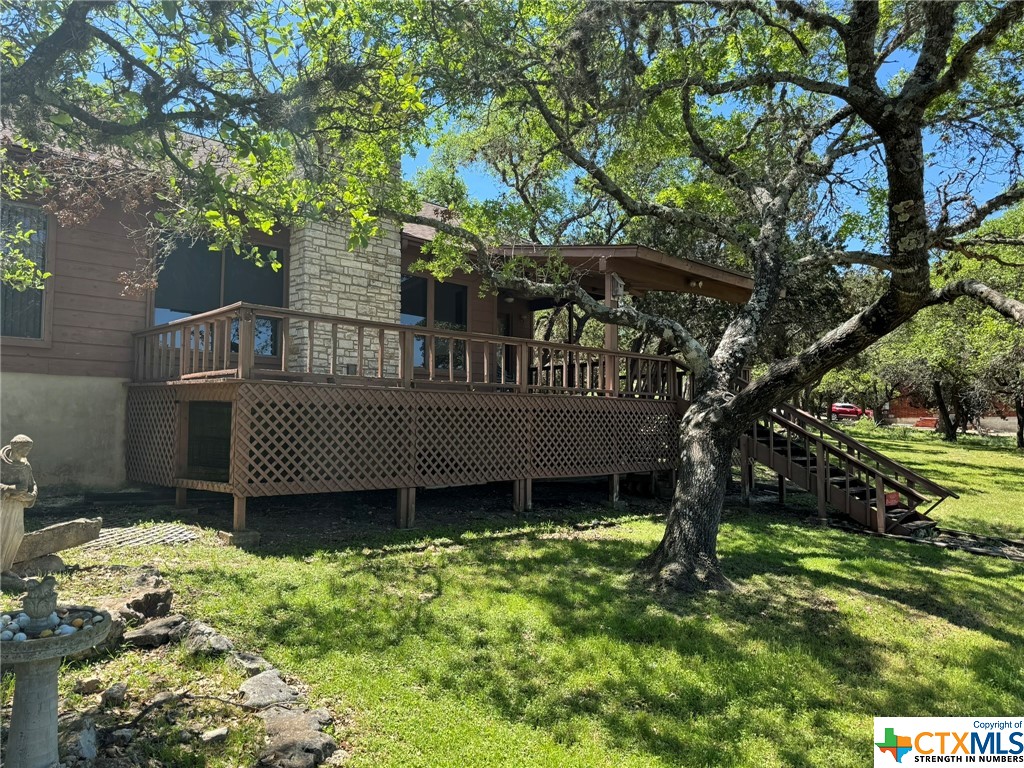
945, 427
687, 557
1018, 402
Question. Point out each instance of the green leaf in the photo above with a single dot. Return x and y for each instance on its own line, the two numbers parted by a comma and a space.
170, 9
61, 118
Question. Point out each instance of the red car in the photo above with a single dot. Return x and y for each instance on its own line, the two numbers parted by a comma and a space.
850, 411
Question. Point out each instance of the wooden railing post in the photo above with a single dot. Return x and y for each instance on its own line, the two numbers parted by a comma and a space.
407, 358
879, 503
523, 367
246, 343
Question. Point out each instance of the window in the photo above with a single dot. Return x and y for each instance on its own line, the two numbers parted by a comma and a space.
195, 279
444, 306
21, 312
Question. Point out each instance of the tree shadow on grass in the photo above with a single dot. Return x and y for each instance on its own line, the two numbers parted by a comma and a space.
549, 629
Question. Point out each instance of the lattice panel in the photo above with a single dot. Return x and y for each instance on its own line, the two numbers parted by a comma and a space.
465, 438
578, 436
309, 439
151, 434
301, 438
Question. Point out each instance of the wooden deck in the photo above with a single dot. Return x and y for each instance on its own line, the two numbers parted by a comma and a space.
338, 404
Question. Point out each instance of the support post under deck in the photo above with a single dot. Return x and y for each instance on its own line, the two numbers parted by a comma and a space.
614, 491
782, 489
180, 497
522, 495
239, 536
238, 522
406, 515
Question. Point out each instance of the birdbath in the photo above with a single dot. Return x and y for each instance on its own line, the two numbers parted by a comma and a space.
33, 642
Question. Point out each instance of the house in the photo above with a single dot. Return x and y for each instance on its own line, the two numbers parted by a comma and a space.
342, 371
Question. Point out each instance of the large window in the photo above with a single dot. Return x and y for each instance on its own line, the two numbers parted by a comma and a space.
444, 306
195, 279
21, 312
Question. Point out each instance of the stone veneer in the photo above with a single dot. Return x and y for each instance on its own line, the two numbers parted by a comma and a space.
326, 277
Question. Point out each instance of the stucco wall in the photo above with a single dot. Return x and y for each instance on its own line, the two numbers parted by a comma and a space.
326, 277
77, 423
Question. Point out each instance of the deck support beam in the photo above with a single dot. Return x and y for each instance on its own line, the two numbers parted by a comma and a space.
180, 497
522, 495
406, 508
782, 489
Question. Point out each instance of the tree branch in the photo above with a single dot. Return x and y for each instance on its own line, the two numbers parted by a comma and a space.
630, 205
1009, 308
997, 203
963, 61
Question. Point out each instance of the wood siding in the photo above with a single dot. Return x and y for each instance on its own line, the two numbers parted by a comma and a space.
91, 319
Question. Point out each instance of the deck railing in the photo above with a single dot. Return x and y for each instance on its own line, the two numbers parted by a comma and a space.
250, 341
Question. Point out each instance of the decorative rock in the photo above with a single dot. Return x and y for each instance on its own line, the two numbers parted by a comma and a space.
11, 583
20, 637
114, 696
285, 720
39, 566
78, 739
151, 603
266, 689
295, 739
88, 685
215, 736
157, 632
204, 639
250, 663
122, 737
242, 539
6, 635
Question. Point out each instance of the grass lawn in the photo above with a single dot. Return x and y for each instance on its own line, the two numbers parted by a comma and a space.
525, 642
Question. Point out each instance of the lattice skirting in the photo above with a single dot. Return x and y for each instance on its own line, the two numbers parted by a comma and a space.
303, 438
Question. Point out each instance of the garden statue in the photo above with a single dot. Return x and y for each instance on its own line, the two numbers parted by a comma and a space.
17, 492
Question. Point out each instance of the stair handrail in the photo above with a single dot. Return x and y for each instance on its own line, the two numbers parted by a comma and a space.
880, 458
843, 455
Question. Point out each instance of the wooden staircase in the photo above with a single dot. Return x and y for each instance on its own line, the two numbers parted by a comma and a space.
864, 485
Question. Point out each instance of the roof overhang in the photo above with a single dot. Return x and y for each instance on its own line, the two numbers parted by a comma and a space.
640, 269
643, 269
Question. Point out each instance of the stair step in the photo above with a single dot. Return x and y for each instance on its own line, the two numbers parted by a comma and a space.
916, 528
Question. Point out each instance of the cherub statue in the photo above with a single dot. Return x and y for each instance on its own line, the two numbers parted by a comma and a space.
17, 492
16, 481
